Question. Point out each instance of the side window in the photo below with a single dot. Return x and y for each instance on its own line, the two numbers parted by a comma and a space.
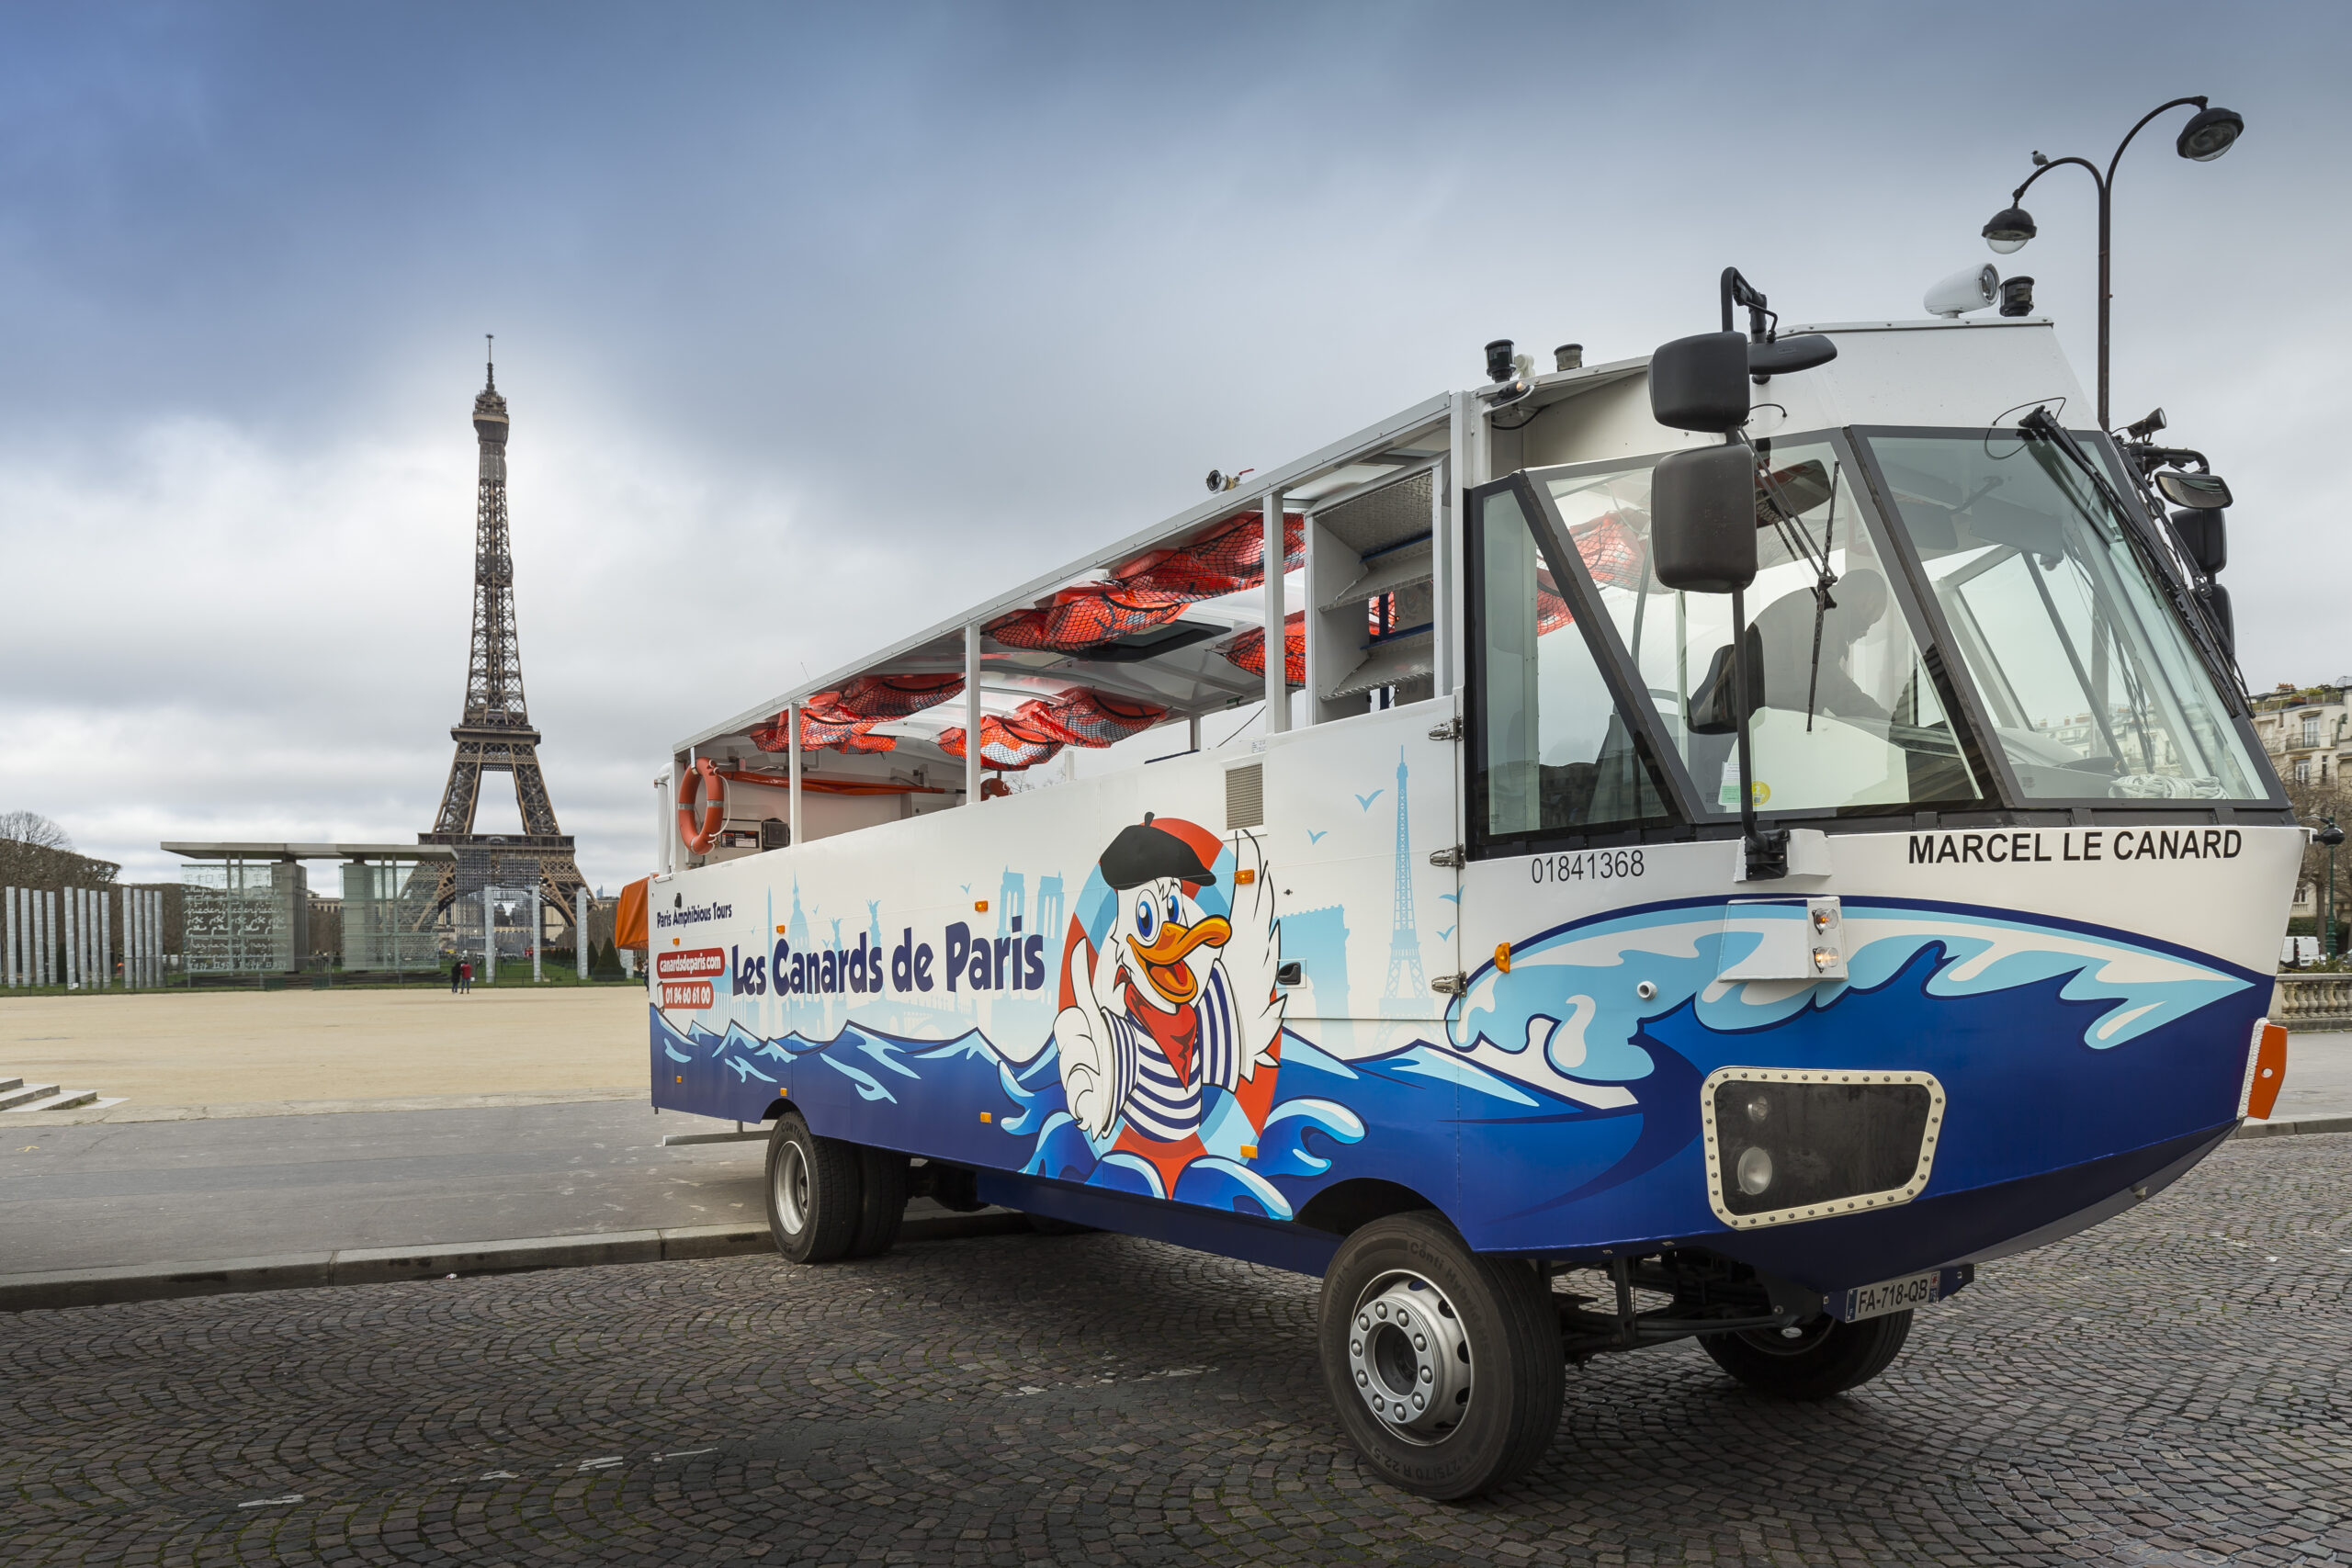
1552, 752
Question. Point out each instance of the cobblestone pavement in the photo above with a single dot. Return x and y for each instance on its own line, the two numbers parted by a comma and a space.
2174, 1388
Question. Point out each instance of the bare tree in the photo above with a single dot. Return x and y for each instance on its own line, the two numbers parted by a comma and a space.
33, 827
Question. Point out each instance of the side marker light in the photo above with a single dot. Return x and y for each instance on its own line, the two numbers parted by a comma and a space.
1502, 956
2269, 1073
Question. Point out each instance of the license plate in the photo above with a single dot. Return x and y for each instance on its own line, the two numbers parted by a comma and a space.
1892, 1295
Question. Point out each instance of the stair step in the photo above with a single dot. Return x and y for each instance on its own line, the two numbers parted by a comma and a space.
7, 1084
20, 1091
64, 1100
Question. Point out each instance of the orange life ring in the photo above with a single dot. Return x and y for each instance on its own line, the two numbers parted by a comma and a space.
702, 780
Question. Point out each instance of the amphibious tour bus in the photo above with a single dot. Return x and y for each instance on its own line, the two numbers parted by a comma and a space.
1729, 843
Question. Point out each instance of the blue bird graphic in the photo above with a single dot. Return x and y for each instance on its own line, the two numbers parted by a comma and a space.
1451, 897
1315, 837
1443, 934
1365, 801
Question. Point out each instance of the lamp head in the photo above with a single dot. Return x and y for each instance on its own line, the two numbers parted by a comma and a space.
2009, 229
2209, 134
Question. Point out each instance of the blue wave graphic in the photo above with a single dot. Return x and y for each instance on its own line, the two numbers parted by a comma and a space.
1567, 1081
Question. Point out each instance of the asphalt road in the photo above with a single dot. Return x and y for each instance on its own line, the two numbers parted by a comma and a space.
241, 1186
2166, 1391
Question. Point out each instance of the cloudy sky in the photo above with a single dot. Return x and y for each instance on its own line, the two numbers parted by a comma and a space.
819, 324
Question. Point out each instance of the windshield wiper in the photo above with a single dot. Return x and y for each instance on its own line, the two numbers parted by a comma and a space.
2222, 667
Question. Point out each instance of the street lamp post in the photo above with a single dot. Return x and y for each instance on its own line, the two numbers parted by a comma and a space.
2209, 133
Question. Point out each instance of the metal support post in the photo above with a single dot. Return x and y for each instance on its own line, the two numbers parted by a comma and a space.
792, 780
972, 714
155, 936
489, 935
1445, 595
11, 912
580, 929
105, 939
45, 902
1277, 644
72, 941
538, 929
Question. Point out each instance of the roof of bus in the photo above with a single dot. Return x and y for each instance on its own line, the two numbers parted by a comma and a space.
1370, 442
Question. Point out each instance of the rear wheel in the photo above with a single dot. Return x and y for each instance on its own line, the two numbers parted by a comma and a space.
1813, 1359
1446, 1367
882, 1201
813, 1192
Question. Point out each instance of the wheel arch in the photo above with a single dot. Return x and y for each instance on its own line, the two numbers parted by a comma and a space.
1347, 1206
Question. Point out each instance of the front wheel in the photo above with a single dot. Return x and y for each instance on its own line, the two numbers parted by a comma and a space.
1445, 1366
814, 1193
1813, 1359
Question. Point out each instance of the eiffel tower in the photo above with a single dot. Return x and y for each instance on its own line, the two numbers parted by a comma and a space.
1407, 988
496, 735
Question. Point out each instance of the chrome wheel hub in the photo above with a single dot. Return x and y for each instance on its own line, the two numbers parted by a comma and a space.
792, 1188
1409, 1358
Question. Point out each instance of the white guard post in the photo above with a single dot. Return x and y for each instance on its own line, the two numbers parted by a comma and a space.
8, 909
538, 934
47, 904
792, 768
580, 929
662, 830
489, 935
106, 937
1277, 663
971, 713
72, 941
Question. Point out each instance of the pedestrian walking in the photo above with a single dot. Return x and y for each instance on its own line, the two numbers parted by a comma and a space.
457, 972
466, 977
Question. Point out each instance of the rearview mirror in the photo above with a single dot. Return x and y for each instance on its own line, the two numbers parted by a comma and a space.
2204, 492
1703, 518
2204, 538
1785, 355
1700, 383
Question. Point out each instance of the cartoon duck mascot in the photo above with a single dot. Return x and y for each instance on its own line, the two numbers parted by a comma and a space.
1176, 1001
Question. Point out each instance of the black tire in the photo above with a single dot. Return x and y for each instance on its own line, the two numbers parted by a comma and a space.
1398, 1284
1046, 1225
1815, 1360
813, 1197
882, 1201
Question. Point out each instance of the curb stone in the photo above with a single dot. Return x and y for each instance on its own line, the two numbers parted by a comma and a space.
2289, 1129
377, 1265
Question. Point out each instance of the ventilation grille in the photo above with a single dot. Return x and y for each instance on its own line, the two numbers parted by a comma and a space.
1245, 796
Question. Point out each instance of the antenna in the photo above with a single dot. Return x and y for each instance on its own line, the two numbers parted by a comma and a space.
490, 358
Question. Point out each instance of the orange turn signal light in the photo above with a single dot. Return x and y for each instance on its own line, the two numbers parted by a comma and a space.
1244, 878
1502, 956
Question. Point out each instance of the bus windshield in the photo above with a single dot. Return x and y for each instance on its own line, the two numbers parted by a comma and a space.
1851, 717
2090, 682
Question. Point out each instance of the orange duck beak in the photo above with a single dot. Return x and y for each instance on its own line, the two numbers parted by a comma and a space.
1163, 961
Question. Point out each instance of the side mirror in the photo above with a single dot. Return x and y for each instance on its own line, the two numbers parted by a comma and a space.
1700, 383
1703, 517
2204, 538
1785, 355
1714, 708
2205, 493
